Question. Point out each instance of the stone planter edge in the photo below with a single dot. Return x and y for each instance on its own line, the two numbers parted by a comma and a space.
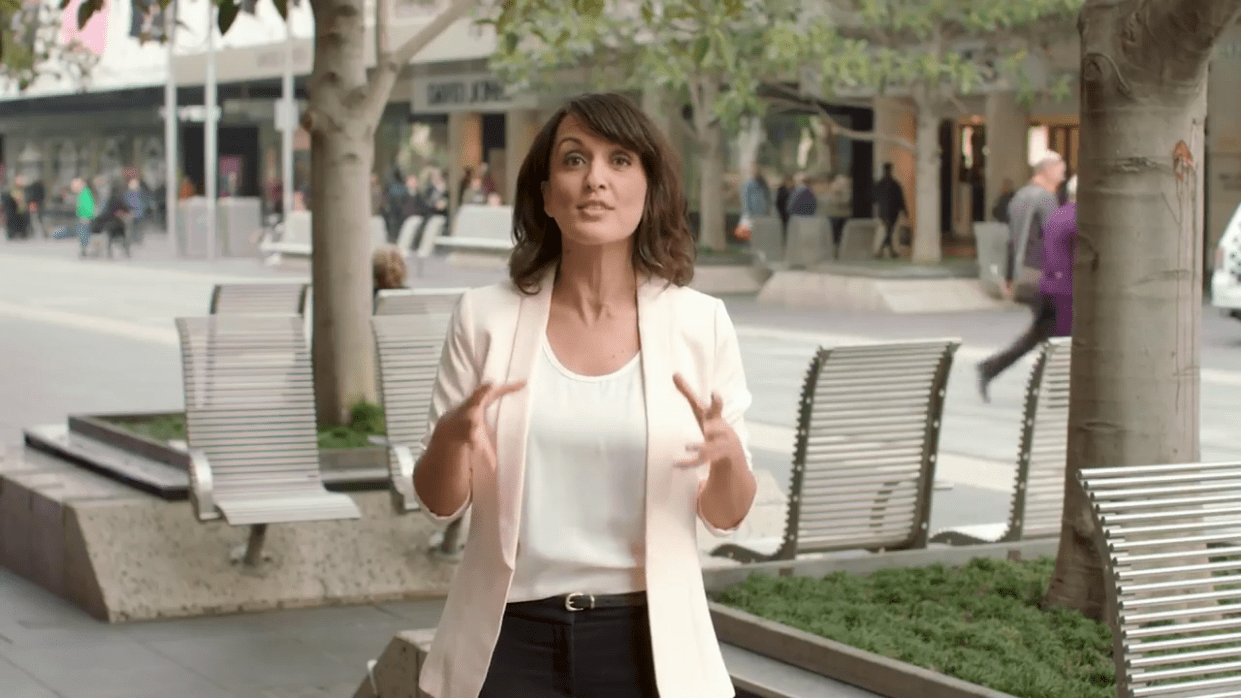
866, 670
721, 577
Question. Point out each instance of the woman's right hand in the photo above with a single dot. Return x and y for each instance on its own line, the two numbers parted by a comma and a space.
464, 429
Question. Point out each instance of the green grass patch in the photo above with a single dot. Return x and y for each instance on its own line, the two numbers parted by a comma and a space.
367, 420
163, 427
980, 623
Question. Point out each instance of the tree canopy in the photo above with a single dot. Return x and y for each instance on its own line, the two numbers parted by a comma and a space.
930, 50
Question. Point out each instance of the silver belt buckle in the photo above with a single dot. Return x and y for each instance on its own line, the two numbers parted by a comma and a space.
568, 602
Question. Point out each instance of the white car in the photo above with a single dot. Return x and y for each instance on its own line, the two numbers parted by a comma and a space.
1226, 281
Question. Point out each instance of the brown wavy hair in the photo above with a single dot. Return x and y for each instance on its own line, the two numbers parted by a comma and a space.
664, 246
388, 268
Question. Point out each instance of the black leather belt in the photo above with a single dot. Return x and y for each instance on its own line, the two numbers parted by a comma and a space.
588, 602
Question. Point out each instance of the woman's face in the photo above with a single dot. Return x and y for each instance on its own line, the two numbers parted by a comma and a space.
595, 190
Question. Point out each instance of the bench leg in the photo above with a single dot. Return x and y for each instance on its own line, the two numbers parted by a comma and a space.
252, 554
254, 547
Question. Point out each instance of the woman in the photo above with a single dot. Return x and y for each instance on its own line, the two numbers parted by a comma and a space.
388, 269
1059, 244
587, 411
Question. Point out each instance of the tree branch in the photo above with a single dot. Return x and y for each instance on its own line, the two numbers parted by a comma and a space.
834, 127
383, 20
1175, 38
389, 64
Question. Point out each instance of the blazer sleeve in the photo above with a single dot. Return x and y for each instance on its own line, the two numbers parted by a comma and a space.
728, 381
455, 380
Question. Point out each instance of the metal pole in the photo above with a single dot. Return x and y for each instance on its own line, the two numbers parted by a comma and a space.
209, 136
290, 121
171, 184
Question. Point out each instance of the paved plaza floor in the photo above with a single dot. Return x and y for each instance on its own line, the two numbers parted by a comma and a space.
97, 336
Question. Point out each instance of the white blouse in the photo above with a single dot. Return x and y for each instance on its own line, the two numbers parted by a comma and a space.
584, 499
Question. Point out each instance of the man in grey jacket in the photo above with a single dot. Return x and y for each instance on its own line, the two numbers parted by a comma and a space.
1027, 212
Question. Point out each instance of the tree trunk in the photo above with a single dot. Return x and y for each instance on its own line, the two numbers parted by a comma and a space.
1137, 276
710, 166
711, 188
342, 149
928, 232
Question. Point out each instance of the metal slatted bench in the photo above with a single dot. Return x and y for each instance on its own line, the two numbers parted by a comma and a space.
864, 458
409, 347
1038, 494
1171, 536
405, 236
408, 301
478, 227
259, 299
250, 425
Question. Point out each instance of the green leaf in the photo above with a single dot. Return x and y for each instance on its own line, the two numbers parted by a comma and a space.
701, 47
590, 8
282, 6
85, 10
226, 14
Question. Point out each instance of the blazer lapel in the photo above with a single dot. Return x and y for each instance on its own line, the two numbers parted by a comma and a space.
513, 415
662, 402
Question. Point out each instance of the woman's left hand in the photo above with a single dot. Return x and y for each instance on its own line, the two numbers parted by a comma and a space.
719, 439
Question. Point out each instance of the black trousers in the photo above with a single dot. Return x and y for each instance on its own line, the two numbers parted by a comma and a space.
1040, 330
889, 230
547, 651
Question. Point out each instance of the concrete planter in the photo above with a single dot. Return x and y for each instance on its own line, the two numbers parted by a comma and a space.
866, 670
841, 662
162, 467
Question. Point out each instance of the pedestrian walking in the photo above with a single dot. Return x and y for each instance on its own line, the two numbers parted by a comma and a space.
589, 411
1000, 211
839, 208
889, 200
1053, 307
36, 195
802, 202
783, 194
1027, 213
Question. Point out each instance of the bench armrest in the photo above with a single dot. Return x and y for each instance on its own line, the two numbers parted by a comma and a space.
401, 463
202, 487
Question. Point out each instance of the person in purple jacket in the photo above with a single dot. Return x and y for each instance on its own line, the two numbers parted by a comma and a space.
1053, 309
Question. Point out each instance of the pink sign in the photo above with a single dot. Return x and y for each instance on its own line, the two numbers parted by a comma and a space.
94, 36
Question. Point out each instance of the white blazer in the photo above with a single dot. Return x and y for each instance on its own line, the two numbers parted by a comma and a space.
494, 337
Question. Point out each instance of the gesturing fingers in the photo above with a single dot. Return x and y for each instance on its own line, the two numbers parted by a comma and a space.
716, 408
488, 393
694, 404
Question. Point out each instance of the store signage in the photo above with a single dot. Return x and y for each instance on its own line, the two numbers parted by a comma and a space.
458, 93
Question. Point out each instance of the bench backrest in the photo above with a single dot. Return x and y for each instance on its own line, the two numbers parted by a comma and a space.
249, 401
378, 231
431, 233
867, 437
409, 228
410, 301
1038, 496
1171, 538
484, 222
409, 348
259, 299
297, 228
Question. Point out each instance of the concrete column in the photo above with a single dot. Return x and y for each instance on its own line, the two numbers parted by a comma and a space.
896, 117
520, 127
1223, 142
465, 147
1008, 144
